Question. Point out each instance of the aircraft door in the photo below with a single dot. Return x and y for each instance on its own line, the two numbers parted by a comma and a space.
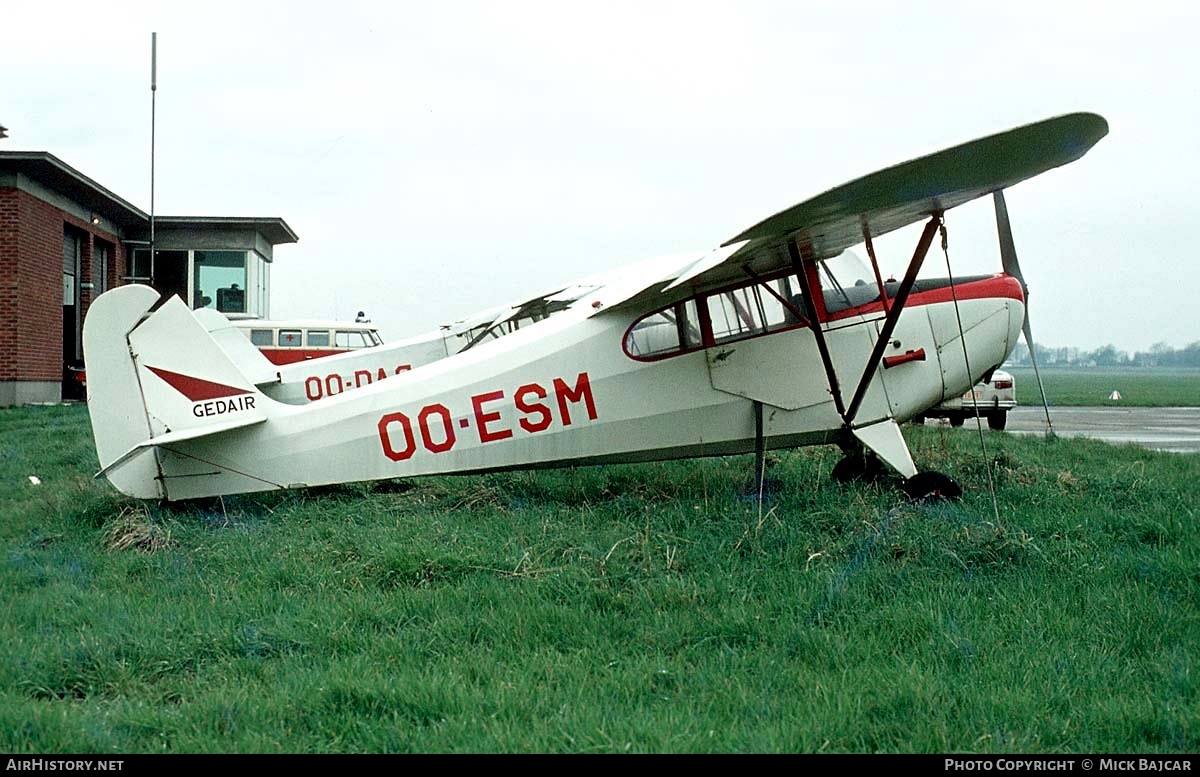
763, 353
911, 369
783, 369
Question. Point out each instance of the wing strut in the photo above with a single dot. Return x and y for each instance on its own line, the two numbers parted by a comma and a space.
889, 324
806, 288
787, 304
883, 295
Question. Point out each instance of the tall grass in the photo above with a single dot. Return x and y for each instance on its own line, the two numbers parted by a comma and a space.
648, 608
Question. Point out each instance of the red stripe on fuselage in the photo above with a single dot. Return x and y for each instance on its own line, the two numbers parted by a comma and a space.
196, 389
283, 356
998, 286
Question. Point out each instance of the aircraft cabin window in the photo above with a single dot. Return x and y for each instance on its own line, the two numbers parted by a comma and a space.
748, 311
261, 337
289, 338
670, 331
847, 282
776, 314
733, 314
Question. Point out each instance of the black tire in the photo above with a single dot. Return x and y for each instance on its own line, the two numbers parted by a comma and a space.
919, 420
848, 470
857, 467
931, 486
998, 419
957, 419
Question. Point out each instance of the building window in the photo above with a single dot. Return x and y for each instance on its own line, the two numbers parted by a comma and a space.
100, 255
139, 265
220, 280
71, 254
262, 285
72, 318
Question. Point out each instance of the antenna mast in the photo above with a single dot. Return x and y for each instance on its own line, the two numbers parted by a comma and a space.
153, 95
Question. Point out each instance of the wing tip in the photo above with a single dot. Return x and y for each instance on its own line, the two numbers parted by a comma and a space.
1071, 135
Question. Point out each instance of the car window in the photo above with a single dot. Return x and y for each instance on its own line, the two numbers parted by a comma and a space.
344, 339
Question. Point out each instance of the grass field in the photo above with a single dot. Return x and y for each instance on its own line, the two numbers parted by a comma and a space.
1085, 387
639, 608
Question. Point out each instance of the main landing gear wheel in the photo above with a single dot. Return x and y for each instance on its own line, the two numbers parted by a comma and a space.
931, 486
857, 467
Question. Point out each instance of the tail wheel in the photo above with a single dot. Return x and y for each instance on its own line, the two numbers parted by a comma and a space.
931, 486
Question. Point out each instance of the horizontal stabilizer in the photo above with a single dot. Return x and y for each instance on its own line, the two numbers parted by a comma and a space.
185, 434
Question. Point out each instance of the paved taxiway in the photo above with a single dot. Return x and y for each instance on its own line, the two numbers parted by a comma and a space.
1175, 429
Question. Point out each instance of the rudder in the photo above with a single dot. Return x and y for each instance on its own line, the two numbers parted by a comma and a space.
159, 381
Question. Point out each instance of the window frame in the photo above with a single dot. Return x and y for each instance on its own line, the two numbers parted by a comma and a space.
701, 302
132, 266
281, 332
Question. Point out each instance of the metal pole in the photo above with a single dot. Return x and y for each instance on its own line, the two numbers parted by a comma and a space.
153, 106
760, 448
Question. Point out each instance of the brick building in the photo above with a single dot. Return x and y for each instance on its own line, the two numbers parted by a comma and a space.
64, 239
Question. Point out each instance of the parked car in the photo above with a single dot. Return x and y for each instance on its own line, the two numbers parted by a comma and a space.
287, 342
991, 398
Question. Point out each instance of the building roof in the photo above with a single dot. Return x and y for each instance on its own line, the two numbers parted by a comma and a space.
53, 173
274, 229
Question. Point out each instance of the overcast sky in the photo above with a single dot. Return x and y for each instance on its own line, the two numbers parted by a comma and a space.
438, 158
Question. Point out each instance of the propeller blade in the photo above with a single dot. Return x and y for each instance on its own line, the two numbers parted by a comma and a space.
1008, 249
1029, 338
1008, 260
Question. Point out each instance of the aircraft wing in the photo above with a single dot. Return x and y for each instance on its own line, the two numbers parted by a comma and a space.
897, 196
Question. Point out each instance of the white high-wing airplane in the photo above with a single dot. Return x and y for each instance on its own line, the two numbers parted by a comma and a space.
765, 342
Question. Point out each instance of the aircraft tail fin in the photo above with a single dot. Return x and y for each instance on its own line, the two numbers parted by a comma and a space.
157, 379
248, 359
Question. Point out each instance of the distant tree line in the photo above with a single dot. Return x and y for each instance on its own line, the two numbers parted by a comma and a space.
1159, 355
